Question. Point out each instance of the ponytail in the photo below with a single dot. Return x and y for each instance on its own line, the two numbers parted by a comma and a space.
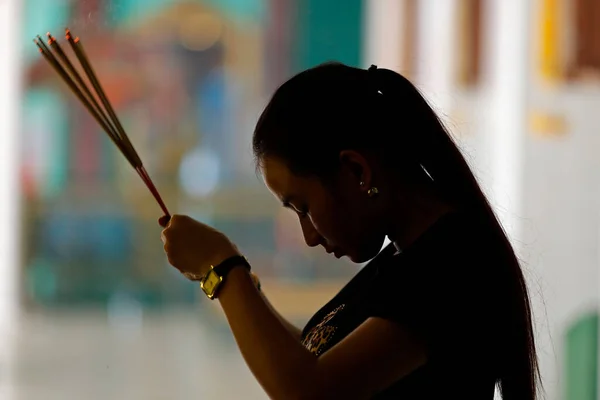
430, 144
437, 153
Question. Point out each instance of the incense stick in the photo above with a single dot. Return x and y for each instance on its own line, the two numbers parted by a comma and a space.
79, 80
87, 67
146, 178
110, 124
63, 74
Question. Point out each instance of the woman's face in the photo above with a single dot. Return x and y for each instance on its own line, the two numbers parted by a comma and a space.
342, 218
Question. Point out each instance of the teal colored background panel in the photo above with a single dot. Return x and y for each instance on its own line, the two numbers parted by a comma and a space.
45, 123
39, 17
328, 30
581, 361
122, 11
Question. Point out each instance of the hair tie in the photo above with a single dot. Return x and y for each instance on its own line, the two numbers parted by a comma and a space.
373, 79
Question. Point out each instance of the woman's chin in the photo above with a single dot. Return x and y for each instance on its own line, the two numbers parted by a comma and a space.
363, 257
357, 259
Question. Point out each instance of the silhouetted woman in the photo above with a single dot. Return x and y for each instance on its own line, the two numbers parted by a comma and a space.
442, 312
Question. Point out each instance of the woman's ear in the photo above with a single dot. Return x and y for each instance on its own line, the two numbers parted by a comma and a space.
357, 165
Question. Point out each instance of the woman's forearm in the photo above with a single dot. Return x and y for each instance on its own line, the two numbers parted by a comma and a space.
294, 330
273, 353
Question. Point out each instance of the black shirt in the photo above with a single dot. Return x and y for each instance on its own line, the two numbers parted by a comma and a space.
441, 288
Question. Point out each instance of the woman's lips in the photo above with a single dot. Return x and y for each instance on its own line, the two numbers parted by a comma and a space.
336, 252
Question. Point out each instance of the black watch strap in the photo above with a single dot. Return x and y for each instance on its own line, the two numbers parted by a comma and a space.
226, 266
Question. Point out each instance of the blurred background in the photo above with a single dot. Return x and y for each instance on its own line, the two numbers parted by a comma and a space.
90, 309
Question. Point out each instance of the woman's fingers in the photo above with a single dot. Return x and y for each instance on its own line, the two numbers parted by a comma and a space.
164, 220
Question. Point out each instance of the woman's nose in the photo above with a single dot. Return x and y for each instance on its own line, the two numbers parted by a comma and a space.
311, 236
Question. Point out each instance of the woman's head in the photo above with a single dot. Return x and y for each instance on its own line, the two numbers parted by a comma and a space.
333, 133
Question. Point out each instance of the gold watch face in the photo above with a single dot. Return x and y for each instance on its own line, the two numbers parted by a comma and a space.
211, 283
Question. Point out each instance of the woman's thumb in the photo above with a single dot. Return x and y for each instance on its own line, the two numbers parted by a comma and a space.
164, 220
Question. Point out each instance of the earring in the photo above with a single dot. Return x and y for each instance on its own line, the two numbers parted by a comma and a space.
371, 192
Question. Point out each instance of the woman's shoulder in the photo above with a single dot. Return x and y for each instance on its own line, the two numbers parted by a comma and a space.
449, 249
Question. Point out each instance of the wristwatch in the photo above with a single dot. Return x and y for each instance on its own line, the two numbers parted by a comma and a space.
212, 281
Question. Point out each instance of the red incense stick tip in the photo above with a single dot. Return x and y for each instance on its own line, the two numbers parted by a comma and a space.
77, 39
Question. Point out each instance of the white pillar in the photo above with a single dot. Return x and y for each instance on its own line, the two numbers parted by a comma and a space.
507, 42
506, 70
383, 34
436, 36
436, 49
10, 77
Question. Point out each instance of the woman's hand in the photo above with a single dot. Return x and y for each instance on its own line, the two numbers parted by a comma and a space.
192, 247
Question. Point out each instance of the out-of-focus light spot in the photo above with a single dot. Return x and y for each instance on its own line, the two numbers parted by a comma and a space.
199, 172
200, 31
548, 125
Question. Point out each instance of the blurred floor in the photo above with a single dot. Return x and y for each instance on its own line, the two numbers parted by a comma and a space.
92, 355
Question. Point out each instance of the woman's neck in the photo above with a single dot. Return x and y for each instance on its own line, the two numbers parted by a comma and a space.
414, 218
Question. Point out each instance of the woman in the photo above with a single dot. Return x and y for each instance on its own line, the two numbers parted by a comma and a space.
442, 312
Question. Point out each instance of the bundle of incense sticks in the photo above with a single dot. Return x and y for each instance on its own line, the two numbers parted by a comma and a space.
57, 58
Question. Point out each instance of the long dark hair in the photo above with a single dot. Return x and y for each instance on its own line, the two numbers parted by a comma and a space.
332, 107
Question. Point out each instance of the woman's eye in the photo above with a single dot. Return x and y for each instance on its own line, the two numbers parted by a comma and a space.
302, 212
